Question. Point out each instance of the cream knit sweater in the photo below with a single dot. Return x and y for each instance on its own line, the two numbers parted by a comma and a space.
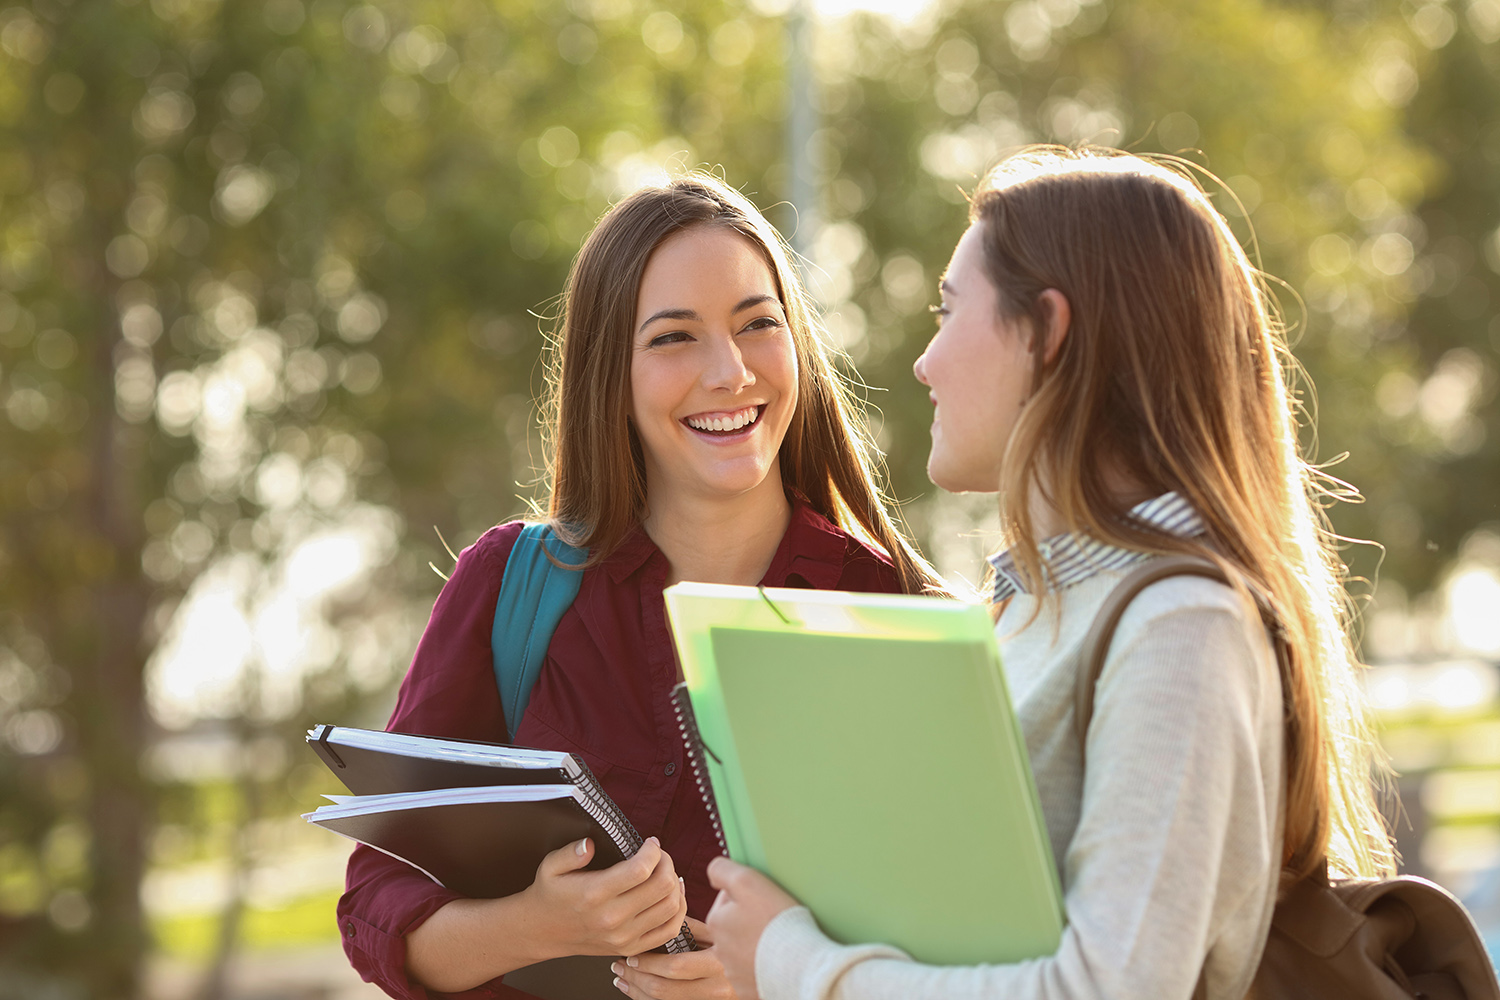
1168, 844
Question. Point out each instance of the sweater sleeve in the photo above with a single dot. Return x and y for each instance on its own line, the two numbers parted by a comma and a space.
448, 691
1174, 845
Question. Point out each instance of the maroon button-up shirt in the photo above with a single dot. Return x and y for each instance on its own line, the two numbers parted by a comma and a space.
603, 694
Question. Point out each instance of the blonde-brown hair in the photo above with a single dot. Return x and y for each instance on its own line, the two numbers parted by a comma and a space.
1173, 376
598, 474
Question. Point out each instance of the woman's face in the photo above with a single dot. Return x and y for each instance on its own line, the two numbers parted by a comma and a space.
979, 368
713, 373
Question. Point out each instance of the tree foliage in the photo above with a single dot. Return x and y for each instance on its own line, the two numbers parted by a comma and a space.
273, 269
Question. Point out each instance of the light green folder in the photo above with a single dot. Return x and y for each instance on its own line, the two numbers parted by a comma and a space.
863, 752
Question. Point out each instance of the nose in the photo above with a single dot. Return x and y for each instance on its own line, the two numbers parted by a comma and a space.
919, 369
726, 367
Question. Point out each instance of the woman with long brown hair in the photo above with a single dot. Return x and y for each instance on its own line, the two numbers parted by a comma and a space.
1110, 363
699, 431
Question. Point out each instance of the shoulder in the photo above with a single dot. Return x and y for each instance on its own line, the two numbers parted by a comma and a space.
1187, 598
495, 544
1193, 634
484, 559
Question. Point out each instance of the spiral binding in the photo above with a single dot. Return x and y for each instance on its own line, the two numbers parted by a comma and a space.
687, 725
607, 813
629, 839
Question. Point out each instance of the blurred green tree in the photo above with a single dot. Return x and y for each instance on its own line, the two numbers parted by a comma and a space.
1442, 417
265, 268
1298, 108
270, 268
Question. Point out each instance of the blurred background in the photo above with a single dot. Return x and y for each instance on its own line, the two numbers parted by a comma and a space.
274, 282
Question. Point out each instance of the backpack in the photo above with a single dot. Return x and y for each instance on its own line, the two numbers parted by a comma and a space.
535, 592
1376, 939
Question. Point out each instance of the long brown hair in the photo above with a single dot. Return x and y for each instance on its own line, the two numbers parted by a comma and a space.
1174, 373
598, 474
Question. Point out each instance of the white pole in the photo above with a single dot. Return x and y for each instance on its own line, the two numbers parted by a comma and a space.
802, 122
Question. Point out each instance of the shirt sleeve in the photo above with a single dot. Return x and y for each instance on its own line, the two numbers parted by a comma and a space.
1174, 848
448, 691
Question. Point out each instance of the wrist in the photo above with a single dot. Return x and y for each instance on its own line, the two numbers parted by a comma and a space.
536, 936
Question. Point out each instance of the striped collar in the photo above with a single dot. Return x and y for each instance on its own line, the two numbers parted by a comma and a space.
1071, 558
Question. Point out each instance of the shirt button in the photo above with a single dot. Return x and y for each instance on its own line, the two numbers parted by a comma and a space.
349, 929
669, 770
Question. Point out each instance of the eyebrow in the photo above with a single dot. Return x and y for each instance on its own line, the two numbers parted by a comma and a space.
670, 314
692, 314
755, 300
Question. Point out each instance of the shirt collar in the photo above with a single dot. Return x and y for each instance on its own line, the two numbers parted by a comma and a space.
1072, 557
812, 548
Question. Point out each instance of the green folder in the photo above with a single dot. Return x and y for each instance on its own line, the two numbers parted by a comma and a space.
862, 751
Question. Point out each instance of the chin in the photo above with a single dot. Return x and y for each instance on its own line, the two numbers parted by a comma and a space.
954, 481
942, 477
737, 483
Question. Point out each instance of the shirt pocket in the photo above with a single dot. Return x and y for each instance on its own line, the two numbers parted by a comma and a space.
621, 783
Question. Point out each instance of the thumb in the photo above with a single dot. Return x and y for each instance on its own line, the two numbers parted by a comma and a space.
567, 858
721, 872
700, 931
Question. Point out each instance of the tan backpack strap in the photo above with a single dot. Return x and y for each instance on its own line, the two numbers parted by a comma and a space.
1102, 631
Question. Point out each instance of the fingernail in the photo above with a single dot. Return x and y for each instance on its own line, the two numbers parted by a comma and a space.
653, 840
582, 848
633, 962
616, 968
620, 985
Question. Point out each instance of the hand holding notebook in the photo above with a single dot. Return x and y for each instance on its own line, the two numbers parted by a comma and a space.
482, 818
622, 910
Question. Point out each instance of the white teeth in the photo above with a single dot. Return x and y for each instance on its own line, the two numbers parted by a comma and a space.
732, 422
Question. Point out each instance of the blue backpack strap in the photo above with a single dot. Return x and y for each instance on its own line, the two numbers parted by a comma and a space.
534, 594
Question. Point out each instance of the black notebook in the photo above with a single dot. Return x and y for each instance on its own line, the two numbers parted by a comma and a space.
478, 818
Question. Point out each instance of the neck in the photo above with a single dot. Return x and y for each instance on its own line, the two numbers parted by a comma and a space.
1047, 521
723, 540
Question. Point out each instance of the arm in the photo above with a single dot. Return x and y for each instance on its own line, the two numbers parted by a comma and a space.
411, 935
449, 690
1173, 852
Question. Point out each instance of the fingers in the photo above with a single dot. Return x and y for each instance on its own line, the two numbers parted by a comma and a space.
720, 915
696, 975
625, 875
702, 933
632, 906
644, 916
658, 923
567, 858
724, 874
688, 965
661, 883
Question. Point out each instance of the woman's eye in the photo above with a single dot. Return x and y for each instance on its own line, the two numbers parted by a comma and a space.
764, 323
662, 339
938, 313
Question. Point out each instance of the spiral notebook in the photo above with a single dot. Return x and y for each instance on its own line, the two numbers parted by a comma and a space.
478, 818
844, 741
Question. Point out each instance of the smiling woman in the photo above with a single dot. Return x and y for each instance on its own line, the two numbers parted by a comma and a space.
699, 431
713, 385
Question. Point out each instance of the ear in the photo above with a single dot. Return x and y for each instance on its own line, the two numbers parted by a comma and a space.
1057, 313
